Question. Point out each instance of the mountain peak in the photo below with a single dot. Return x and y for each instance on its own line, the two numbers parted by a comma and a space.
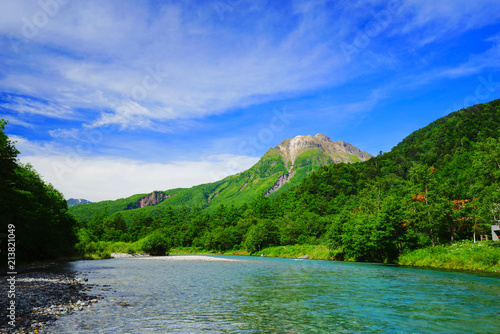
323, 137
75, 201
339, 151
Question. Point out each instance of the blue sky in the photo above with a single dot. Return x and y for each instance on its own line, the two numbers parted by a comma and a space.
109, 99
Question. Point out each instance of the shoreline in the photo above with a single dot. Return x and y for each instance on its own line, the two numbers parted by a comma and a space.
43, 297
454, 260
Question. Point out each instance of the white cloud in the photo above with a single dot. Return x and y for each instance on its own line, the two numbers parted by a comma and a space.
105, 178
16, 121
26, 105
434, 20
28, 147
65, 133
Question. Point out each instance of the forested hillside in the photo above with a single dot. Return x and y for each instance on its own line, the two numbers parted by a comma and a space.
280, 169
438, 185
34, 215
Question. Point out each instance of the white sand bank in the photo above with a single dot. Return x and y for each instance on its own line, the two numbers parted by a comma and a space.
186, 258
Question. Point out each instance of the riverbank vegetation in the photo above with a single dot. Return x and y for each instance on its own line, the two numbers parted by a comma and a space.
464, 255
315, 252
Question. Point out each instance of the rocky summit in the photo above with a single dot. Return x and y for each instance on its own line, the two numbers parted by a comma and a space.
338, 151
303, 154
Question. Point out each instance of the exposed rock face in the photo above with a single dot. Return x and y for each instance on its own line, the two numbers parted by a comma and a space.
211, 197
280, 183
152, 199
243, 186
362, 155
338, 151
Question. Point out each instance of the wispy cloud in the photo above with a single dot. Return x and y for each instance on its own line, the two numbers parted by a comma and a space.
137, 65
170, 64
32, 106
475, 65
435, 20
16, 121
27, 147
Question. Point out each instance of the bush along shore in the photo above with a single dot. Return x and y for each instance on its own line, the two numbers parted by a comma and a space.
40, 298
464, 255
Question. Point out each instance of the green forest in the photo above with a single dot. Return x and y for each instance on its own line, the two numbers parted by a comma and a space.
440, 185
235, 189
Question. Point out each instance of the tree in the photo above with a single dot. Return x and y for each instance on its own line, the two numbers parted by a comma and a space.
8, 166
486, 167
114, 229
43, 227
430, 209
156, 243
261, 205
392, 234
262, 235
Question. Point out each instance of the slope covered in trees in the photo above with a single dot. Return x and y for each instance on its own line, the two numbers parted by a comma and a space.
280, 169
31, 210
438, 185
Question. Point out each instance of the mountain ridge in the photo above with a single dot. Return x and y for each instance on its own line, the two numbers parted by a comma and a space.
75, 202
281, 168
291, 148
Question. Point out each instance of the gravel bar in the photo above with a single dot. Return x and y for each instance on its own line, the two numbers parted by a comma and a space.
186, 258
42, 297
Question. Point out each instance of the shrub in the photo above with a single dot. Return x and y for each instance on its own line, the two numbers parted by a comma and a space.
156, 244
463, 255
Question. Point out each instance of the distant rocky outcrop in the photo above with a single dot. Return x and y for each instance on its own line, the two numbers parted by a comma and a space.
155, 198
74, 202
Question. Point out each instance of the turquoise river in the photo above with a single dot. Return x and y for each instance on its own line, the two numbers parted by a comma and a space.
237, 294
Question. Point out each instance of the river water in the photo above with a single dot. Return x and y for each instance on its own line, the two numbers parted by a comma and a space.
270, 295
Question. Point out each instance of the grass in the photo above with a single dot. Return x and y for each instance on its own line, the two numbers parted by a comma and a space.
464, 255
103, 249
191, 251
318, 252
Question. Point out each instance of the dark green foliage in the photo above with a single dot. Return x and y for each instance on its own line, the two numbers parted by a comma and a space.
43, 227
156, 243
264, 234
8, 168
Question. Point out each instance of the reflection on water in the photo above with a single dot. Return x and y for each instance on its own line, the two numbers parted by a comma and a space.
268, 295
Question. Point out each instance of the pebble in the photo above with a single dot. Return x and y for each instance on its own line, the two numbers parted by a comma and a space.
42, 297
